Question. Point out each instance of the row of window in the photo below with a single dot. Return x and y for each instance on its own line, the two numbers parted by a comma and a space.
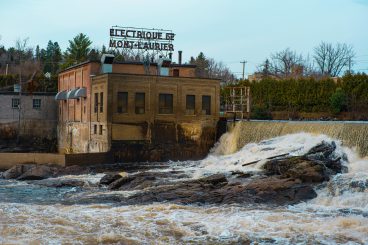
165, 104
36, 103
95, 129
98, 103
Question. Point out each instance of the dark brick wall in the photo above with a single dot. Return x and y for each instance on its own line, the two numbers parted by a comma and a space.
88, 158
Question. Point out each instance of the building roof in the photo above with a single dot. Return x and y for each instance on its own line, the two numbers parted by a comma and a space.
126, 62
147, 75
28, 93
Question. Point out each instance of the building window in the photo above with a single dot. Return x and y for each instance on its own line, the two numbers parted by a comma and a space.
165, 104
96, 103
15, 103
101, 102
95, 129
140, 101
206, 105
36, 103
122, 102
100, 129
175, 72
190, 105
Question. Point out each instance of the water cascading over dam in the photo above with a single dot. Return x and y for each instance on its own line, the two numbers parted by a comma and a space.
351, 134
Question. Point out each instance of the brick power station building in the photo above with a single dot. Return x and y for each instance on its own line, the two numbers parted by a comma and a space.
137, 112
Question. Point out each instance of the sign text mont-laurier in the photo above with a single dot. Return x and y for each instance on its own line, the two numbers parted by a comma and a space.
146, 39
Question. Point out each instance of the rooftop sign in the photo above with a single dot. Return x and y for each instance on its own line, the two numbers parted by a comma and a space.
141, 39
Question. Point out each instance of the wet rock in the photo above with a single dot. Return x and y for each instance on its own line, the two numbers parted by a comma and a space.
109, 178
58, 183
119, 182
324, 148
270, 190
240, 174
286, 180
298, 168
214, 179
195, 191
38, 172
73, 170
17, 171
139, 182
316, 166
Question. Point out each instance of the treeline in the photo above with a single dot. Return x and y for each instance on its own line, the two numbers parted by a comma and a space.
346, 94
38, 67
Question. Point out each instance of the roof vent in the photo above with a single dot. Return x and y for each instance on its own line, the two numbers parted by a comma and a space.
106, 63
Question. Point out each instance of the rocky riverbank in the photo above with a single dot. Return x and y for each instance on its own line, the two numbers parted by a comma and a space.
284, 180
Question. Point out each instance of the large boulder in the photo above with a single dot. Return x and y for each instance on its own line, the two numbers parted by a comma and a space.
272, 190
17, 171
38, 172
316, 166
297, 168
58, 183
214, 179
109, 178
119, 182
73, 170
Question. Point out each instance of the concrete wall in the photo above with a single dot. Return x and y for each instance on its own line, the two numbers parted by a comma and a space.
8, 160
40, 122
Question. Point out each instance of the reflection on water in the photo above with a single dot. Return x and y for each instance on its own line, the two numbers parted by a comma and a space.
32, 214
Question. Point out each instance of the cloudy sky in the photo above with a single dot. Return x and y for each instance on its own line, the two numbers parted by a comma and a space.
226, 30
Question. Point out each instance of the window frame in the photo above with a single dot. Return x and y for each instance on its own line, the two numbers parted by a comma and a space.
100, 130
101, 101
165, 97
96, 103
136, 108
208, 112
118, 100
33, 104
17, 104
192, 104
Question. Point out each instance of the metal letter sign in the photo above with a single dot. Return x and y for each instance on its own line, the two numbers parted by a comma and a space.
142, 42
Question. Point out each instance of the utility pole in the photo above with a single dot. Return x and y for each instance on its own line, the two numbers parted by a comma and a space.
243, 62
20, 101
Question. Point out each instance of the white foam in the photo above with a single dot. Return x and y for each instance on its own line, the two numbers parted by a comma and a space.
294, 144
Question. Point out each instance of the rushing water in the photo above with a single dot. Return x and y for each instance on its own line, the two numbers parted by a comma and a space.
30, 214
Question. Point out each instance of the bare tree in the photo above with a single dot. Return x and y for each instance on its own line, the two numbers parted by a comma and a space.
287, 63
331, 59
220, 71
209, 68
283, 64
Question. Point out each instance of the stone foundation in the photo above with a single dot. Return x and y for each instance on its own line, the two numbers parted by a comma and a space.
169, 142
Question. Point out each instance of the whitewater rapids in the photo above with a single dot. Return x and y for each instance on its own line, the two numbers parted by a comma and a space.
339, 215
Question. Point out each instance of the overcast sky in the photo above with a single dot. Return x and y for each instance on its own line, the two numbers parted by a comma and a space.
226, 30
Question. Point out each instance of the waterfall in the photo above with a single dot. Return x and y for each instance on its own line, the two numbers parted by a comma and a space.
352, 134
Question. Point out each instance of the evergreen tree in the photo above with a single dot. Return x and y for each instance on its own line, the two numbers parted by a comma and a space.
78, 50
52, 57
37, 53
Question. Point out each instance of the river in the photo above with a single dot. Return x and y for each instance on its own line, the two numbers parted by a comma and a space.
31, 214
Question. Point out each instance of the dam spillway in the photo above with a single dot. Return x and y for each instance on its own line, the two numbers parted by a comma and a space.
353, 134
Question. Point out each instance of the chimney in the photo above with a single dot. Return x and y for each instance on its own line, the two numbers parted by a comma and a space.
180, 54
170, 56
